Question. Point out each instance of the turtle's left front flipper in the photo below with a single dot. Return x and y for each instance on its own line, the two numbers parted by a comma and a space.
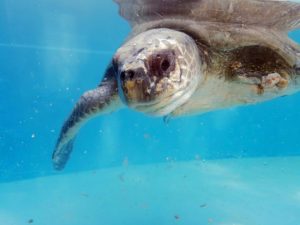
103, 99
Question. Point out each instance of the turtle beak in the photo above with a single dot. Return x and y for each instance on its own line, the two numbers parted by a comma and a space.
135, 84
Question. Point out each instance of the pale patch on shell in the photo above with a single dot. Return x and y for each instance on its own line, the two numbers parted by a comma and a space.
274, 80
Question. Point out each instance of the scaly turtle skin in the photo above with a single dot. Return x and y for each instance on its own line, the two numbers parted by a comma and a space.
192, 56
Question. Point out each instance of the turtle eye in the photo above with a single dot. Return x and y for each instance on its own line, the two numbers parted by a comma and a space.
165, 65
161, 63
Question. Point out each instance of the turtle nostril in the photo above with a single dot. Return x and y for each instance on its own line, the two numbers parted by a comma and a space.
127, 75
130, 74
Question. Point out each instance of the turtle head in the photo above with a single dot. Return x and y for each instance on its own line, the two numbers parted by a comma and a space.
158, 71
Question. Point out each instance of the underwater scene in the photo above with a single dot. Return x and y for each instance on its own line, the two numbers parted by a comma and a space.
232, 165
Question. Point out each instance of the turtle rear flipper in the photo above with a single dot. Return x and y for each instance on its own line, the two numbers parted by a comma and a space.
275, 14
101, 100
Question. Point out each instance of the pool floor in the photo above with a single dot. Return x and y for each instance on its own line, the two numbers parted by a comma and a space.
258, 191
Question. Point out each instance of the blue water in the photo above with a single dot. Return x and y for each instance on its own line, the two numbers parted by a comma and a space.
53, 51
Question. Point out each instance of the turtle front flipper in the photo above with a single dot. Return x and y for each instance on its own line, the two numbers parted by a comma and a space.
103, 99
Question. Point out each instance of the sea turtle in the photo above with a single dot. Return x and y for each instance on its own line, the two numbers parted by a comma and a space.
192, 56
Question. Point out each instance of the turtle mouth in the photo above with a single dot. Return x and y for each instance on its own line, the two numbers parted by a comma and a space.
156, 107
163, 105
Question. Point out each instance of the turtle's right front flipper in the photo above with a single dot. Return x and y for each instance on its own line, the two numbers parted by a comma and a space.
103, 99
